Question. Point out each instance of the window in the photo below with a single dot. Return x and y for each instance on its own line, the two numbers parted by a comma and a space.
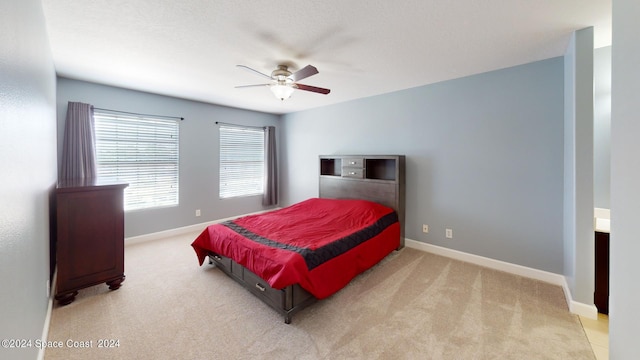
241, 161
141, 151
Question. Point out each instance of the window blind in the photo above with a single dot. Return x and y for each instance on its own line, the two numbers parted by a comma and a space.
241, 161
142, 151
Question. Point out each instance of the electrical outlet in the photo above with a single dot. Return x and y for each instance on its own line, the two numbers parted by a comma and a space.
425, 228
197, 212
449, 233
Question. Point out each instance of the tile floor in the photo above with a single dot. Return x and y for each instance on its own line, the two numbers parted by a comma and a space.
598, 334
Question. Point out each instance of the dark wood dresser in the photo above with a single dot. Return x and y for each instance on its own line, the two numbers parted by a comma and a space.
90, 236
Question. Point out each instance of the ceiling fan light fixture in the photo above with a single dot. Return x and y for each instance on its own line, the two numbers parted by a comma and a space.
282, 91
283, 82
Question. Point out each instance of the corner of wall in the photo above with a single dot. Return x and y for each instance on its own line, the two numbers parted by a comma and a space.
578, 229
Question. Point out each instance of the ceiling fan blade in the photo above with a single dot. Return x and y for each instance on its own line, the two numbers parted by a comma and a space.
303, 73
312, 88
254, 71
254, 85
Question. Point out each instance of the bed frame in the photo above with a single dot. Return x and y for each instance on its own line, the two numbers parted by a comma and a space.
378, 178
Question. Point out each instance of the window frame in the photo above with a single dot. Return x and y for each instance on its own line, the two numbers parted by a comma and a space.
241, 161
143, 151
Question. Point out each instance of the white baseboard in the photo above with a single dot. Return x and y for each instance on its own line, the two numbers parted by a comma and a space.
578, 308
586, 310
168, 233
47, 318
45, 329
181, 230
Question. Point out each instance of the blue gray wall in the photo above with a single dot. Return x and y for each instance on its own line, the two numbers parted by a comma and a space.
484, 157
27, 155
199, 155
624, 317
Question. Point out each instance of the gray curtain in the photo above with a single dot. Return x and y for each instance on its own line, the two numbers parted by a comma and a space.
270, 196
78, 151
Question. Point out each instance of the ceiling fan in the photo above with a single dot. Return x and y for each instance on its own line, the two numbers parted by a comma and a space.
283, 82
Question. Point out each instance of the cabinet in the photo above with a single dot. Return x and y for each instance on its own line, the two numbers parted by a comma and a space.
379, 178
90, 237
601, 294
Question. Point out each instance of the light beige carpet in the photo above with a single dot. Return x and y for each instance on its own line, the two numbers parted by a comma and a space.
413, 305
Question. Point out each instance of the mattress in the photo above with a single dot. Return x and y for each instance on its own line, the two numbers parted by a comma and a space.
320, 244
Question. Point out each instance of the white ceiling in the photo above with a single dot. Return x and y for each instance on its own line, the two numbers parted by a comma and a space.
189, 48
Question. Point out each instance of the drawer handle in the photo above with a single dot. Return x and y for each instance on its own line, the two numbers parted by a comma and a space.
260, 287
216, 257
352, 163
352, 172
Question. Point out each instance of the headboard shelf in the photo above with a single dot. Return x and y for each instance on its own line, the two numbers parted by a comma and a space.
379, 178
331, 167
382, 169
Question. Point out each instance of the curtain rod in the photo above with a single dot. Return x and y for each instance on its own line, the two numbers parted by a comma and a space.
243, 126
132, 113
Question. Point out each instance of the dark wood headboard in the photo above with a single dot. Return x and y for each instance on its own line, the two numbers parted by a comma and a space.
378, 178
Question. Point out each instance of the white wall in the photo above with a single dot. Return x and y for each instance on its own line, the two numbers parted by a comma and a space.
27, 157
602, 128
578, 166
624, 317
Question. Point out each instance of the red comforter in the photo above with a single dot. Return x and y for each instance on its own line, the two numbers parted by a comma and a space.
320, 244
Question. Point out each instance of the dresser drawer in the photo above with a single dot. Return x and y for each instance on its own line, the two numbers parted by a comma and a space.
261, 288
353, 162
350, 172
221, 262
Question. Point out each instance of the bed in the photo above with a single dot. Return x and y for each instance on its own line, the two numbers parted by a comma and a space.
292, 257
